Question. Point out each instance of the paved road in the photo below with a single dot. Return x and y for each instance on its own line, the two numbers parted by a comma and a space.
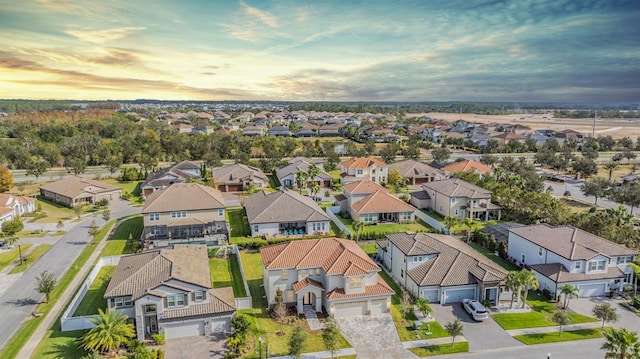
21, 299
580, 349
575, 188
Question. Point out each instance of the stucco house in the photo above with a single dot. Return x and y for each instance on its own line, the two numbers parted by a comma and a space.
568, 255
185, 211
369, 202
74, 190
235, 177
330, 273
180, 172
284, 212
15, 206
456, 198
360, 168
440, 268
417, 172
287, 174
169, 291
468, 166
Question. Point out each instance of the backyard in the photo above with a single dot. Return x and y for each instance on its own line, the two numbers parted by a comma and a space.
382, 228
125, 239
225, 272
238, 222
494, 257
94, 298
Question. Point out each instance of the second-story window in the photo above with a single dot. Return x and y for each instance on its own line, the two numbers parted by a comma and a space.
179, 214
540, 251
453, 200
154, 217
220, 212
597, 265
355, 282
176, 300
359, 172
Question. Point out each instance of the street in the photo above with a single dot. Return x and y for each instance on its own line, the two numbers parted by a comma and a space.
580, 349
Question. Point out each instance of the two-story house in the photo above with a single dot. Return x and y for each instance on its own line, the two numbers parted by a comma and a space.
180, 172
235, 177
417, 172
456, 198
369, 202
568, 255
440, 268
169, 291
330, 273
468, 166
15, 206
360, 168
185, 211
287, 174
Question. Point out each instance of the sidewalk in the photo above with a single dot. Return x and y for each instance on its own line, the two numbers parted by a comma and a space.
59, 306
552, 329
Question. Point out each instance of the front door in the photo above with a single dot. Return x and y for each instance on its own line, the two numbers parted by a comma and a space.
308, 299
151, 324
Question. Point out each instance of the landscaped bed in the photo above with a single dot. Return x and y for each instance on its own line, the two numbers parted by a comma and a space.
94, 298
225, 272
126, 239
553, 337
433, 350
31, 258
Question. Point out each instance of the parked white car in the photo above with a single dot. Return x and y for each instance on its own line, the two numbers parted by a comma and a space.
477, 311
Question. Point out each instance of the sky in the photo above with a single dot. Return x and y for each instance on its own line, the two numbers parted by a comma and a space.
323, 50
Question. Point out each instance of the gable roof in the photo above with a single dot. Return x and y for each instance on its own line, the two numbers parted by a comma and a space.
282, 206
298, 165
570, 242
177, 173
362, 162
184, 197
237, 173
414, 169
467, 166
455, 187
333, 255
74, 186
454, 263
364, 186
137, 274
381, 202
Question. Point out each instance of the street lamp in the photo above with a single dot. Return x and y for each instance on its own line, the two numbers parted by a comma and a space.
260, 340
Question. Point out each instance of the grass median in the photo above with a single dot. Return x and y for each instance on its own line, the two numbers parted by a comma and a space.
553, 337
31, 258
441, 349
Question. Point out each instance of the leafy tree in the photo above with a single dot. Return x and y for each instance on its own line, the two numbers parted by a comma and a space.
110, 331
440, 154
395, 178
296, 341
45, 283
279, 308
389, 152
605, 312
621, 344
585, 167
596, 187
454, 329
331, 336
78, 209
569, 292
530, 281
106, 214
93, 229
423, 306
561, 318
370, 148
240, 324
10, 228
36, 166
6, 179
76, 165
60, 225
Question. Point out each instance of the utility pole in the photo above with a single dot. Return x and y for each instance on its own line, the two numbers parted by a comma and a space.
593, 130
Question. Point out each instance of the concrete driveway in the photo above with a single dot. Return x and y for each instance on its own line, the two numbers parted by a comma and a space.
480, 335
626, 319
209, 346
373, 337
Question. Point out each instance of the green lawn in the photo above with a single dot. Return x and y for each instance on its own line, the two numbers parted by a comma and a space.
58, 344
238, 222
540, 316
31, 258
437, 216
386, 227
442, 349
132, 187
55, 212
225, 272
252, 264
335, 174
553, 337
94, 299
9, 257
120, 242
369, 248
495, 258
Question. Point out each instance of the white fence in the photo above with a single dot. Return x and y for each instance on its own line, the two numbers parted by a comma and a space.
242, 303
331, 212
432, 222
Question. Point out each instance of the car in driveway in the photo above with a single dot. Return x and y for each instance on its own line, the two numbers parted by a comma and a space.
477, 311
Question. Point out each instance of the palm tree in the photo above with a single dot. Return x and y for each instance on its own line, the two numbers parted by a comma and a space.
467, 223
450, 221
110, 331
611, 166
357, 228
568, 291
301, 179
315, 188
423, 306
312, 172
621, 344
530, 281
636, 273
513, 284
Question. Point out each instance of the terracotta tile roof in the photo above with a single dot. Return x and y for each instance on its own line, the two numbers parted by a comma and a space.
558, 273
184, 197
219, 302
378, 289
362, 162
468, 165
333, 255
570, 242
379, 202
414, 169
75, 186
237, 174
4, 211
137, 274
455, 187
301, 284
282, 206
364, 186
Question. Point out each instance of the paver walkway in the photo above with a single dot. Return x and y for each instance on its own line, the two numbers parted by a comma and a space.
312, 319
374, 337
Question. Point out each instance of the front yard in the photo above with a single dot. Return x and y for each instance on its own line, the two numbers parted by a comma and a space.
435, 350
225, 272
94, 298
54, 212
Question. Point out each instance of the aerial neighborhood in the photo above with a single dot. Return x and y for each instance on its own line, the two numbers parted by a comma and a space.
262, 230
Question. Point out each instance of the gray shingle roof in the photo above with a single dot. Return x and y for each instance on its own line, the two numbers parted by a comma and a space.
177, 172
282, 206
455, 187
184, 197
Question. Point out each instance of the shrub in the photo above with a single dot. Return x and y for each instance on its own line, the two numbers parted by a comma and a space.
102, 203
547, 294
635, 302
160, 339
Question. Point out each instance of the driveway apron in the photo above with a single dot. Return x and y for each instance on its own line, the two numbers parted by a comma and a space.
373, 337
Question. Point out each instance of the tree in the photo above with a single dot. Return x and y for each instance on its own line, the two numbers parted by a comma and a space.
78, 209
621, 344
440, 154
423, 306
636, 274
357, 228
10, 228
106, 214
93, 229
569, 292
6, 179
561, 318
611, 166
454, 329
450, 222
296, 341
605, 312
596, 187
585, 167
315, 188
36, 166
301, 180
76, 165
471, 227
110, 331
530, 281
331, 336
513, 284
312, 172
395, 178
60, 225
45, 284
406, 304
279, 308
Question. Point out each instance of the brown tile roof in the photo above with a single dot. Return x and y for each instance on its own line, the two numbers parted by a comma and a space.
137, 274
364, 186
301, 284
558, 273
237, 174
570, 242
282, 206
382, 243
454, 263
340, 197
378, 289
379, 202
75, 186
362, 162
333, 255
414, 169
468, 165
184, 197
455, 187
220, 301
177, 173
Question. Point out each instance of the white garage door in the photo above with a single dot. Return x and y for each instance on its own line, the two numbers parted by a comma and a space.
457, 295
591, 290
219, 325
350, 309
179, 330
431, 295
378, 306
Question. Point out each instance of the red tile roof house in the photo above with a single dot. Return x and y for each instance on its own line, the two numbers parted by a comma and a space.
468, 166
360, 168
15, 206
330, 273
169, 291
369, 202
568, 255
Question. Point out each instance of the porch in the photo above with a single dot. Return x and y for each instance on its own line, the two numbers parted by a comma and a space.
292, 228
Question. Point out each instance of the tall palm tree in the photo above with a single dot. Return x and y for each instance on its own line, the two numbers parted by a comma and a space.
513, 284
611, 166
530, 281
450, 222
569, 292
621, 344
467, 223
636, 274
357, 228
301, 180
110, 331
313, 171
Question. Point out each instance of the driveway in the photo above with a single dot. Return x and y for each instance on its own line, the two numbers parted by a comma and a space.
373, 337
480, 335
626, 319
209, 346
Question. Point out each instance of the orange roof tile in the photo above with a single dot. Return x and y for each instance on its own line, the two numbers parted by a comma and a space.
468, 165
381, 202
362, 162
364, 186
301, 284
380, 288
